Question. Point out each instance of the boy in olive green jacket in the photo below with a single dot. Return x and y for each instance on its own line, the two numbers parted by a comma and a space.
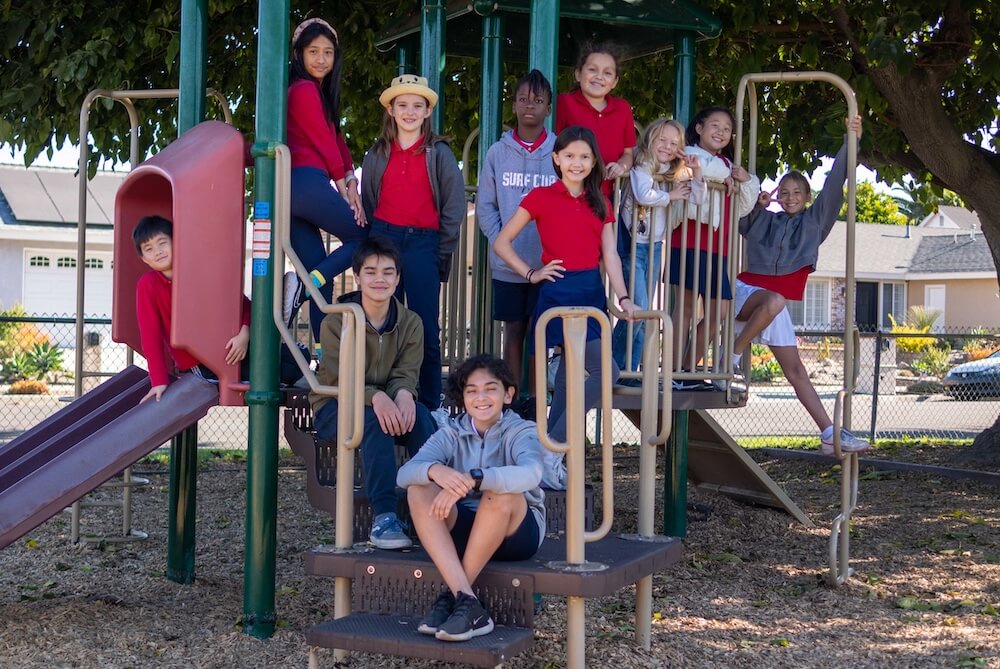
394, 344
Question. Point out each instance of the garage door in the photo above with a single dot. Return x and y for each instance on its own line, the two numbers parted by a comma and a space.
50, 283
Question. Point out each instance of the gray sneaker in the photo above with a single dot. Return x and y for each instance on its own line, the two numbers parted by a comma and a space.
389, 533
849, 443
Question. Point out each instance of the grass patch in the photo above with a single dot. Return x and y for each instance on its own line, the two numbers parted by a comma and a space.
213, 456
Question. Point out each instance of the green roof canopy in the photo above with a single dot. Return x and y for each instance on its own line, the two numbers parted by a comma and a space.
638, 27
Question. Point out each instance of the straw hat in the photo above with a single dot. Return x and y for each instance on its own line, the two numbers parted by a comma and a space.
308, 22
408, 83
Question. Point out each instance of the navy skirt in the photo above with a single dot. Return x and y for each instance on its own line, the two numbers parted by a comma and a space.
704, 276
575, 289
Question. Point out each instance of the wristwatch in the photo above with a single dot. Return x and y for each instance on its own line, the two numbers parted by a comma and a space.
477, 476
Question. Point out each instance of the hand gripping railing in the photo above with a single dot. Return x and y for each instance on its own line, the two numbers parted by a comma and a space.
746, 93
574, 324
840, 528
351, 369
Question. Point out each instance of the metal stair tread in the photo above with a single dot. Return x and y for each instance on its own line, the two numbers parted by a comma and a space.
397, 635
627, 561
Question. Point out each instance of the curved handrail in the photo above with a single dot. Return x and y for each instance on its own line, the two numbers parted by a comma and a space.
352, 328
574, 328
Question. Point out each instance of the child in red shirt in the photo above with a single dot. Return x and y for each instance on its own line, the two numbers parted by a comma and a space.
591, 105
413, 194
574, 224
153, 238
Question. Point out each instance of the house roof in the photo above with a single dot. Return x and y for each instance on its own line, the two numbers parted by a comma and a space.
49, 196
960, 252
962, 218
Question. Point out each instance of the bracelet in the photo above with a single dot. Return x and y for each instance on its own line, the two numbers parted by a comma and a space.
527, 276
349, 177
623, 298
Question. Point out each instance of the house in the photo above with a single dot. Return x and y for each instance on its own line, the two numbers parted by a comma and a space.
38, 240
951, 218
949, 270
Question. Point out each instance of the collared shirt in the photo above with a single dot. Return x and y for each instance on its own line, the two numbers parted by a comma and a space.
567, 226
406, 197
312, 140
530, 146
614, 126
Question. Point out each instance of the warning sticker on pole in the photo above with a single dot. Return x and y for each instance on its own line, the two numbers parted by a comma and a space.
261, 238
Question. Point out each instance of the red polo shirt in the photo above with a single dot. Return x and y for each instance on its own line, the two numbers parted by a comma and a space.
154, 312
614, 125
567, 226
312, 141
406, 197
789, 286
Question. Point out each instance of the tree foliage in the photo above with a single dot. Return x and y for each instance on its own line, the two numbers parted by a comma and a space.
875, 207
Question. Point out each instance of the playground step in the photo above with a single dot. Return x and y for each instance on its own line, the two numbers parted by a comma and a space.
615, 561
397, 635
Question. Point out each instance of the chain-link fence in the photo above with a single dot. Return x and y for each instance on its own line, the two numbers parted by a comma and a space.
935, 384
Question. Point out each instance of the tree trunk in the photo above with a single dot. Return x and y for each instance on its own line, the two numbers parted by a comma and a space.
985, 449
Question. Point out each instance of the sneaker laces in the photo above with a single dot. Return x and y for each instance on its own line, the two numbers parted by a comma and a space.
389, 522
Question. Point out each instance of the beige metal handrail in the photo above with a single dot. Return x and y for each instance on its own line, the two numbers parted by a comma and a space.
839, 546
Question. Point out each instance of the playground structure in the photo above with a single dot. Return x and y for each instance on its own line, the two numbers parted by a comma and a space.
566, 566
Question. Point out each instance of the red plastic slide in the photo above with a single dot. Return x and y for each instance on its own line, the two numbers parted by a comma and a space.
83, 445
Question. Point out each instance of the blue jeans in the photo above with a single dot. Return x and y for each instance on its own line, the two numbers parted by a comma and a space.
378, 450
317, 206
641, 300
420, 289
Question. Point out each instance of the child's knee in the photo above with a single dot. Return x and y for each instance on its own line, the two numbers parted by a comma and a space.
774, 304
421, 495
499, 500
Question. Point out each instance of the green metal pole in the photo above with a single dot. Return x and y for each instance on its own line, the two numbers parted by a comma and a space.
675, 478
684, 76
432, 54
182, 496
543, 50
490, 124
259, 615
404, 56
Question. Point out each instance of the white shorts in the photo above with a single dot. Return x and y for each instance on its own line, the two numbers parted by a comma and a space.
780, 332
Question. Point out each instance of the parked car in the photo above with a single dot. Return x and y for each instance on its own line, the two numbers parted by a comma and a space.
979, 378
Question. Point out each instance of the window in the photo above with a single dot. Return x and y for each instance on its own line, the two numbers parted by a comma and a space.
93, 263
39, 261
893, 303
813, 312
66, 262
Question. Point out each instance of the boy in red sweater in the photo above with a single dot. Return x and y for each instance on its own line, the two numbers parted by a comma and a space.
153, 238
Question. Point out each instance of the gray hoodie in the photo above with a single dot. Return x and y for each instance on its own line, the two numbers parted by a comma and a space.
778, 244
509, 454
509, 173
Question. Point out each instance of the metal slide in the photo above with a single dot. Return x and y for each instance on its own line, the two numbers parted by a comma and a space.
83, 445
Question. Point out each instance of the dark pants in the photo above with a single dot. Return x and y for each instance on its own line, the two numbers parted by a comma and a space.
420, 289
378, 450
316, 207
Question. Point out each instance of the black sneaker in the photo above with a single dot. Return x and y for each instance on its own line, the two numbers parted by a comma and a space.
440, 612
469, 619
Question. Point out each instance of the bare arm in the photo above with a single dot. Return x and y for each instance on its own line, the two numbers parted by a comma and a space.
504, 248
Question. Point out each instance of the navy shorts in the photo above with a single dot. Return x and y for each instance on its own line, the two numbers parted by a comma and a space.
718, 263
514, 301
519, 546
581, 288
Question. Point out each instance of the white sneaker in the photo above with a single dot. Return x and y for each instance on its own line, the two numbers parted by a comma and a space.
292, 298
848, 443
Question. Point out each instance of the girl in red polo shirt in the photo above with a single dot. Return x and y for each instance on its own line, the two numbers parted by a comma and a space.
591, 105
412, 193
574, 219
319, 157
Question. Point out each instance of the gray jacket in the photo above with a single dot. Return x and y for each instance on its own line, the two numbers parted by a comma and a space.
509, 454
446, 184
778, 244
509, 173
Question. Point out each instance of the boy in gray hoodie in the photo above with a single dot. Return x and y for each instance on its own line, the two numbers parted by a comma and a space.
474, 494
520, 161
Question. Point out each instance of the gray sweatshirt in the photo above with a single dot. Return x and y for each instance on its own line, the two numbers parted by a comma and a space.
509, 173
778, 244
509, 454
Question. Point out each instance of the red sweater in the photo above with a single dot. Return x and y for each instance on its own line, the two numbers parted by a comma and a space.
153, 310
313, 141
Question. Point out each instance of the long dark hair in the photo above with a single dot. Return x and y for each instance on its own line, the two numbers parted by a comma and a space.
383, 145
692, 138
592, 182
329, 88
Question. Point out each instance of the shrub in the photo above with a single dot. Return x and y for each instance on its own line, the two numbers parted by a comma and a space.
45, 358
17, 367
980, 353
911, 344
763, 366
928, 387
28, 387
934, 361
